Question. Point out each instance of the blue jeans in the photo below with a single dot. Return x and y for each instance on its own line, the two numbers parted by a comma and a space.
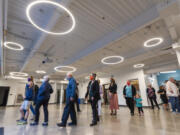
69, 110
32, 110
174, 103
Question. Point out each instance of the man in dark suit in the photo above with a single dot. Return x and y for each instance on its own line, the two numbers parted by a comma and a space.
94, 96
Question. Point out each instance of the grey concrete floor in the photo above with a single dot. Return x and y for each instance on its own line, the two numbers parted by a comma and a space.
152, 123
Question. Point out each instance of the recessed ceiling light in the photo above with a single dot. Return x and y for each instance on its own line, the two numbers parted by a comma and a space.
153, 42
121, 59
138, 66
13, 46
41, 72
18, 74
168, 72
59, 69
55, 4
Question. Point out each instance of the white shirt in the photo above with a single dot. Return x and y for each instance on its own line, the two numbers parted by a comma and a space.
172, 87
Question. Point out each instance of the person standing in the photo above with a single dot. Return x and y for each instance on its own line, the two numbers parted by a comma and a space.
70, 99
139, 105
173, 93
101, 97
94, 97
77, 98
129, 93
163, 97
43, 99
113, 97
24, 109
152, 96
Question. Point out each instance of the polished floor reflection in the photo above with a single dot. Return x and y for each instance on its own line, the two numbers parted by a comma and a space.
153, 123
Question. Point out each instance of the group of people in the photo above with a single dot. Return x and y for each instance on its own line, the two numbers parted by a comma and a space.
40, 97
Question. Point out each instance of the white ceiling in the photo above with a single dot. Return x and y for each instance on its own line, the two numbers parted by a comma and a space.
104, 27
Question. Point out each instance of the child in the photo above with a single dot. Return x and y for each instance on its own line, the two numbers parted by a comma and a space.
138, 100
24, 109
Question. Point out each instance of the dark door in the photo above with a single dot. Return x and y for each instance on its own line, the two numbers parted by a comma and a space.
4, 92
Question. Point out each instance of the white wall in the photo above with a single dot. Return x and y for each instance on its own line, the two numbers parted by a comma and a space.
18, 87
121, 79
15, 89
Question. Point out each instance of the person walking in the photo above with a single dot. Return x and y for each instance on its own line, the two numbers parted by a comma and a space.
69, 107
129, 93
173, 93
43, 99
113, 97
151, 92
139, 105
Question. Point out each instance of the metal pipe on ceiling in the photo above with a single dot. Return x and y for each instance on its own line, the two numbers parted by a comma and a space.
3, 31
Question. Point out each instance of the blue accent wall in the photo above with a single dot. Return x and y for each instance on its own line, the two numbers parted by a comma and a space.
162, 77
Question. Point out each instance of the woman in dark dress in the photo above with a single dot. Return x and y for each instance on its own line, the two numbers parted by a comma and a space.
163, 97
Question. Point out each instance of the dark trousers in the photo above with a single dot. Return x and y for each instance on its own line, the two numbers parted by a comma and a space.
94, 110
130, 104
174, 103
77, 103
140, 109
69, 110
155, 101
45, 108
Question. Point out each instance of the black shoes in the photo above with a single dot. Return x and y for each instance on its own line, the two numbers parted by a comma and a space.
72, 124
61, 125
45, 124
93, 124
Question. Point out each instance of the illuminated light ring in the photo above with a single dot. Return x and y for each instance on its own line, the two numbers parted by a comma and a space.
139, 65
15, 77
20, 47
63, 71
112, 63
41, 72
55, 4
159, 39
18, 74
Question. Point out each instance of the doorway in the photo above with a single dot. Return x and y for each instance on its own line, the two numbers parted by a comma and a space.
58, 96
4, 92
135, 83
106, 93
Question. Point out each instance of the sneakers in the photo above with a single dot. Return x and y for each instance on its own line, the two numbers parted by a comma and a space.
34, 124
22, 122
45, 124
61, 125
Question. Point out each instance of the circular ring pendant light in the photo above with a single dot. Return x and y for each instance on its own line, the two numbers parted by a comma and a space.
138, 65
54, 4
157, 40
17, 46
18, 74
59, 69
121, 59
